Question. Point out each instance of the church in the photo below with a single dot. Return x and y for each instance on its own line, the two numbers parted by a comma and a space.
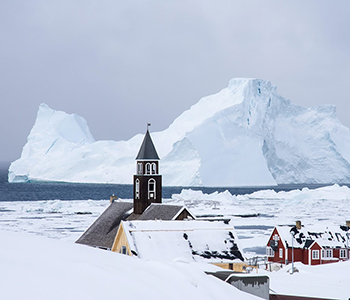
148, 229
147, 202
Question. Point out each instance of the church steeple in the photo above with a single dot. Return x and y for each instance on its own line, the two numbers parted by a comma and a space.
147, 181
147, 150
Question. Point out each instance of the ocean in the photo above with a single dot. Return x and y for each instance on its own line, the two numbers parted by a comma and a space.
36, 191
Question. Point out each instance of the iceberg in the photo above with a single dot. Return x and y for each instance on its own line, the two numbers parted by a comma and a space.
245, 135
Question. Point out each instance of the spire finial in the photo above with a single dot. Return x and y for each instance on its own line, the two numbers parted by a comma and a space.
148, 125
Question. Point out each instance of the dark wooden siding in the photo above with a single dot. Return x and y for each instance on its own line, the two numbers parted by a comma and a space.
143, 202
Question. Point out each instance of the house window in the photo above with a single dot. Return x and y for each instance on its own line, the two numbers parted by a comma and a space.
328, 253
342, 253
269, 252
148, 168
154, 168
123, 250
315, 254
139, 168
151, 189
281, 252
137, 189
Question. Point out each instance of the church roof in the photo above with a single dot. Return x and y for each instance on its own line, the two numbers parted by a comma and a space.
102, 232
147, 150
159, 211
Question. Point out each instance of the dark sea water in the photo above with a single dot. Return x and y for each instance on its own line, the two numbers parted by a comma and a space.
33, 191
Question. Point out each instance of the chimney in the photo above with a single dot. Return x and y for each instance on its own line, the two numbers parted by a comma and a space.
348, 223
112, 198
298, 224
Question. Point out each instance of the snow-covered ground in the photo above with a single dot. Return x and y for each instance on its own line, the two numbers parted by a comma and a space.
71, 267
38, 268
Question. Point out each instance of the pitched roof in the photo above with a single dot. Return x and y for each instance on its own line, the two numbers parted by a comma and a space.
190, 240
159, 211
103, 231
147, 150
329, 237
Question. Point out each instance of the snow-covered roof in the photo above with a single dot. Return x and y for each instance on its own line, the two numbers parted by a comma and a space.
188, 240
329, 237
103, 231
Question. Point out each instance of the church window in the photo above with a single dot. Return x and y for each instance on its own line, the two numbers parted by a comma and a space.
137, 189
154, 168
139, 168
151, 189
148, 168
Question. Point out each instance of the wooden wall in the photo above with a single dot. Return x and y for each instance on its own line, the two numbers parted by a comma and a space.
121, 240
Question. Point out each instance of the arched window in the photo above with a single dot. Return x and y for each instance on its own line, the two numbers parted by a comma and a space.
151, 189
137, 189
154, 168
148, 168
139, 168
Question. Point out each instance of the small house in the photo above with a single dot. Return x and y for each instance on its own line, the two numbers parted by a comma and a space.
310, 245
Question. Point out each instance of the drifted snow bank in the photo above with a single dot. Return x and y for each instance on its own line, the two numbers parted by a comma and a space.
245, 135
51, 269
329, 281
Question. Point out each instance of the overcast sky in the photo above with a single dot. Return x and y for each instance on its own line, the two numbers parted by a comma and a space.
121, 64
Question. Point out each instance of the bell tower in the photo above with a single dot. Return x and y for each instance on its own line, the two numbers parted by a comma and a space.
147, 181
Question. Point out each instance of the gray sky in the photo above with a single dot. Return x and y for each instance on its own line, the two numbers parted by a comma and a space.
121, 64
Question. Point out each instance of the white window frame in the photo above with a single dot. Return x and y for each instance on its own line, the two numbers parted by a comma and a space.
281, 252
139, 168
342, 253
315, 254
154, 168
137, 188
327, 253
151, 193
148, 169
269, 252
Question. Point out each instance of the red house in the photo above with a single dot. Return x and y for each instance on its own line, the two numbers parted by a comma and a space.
309, 245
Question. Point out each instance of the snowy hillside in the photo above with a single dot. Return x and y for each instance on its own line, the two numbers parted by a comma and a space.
50, 269
244, 135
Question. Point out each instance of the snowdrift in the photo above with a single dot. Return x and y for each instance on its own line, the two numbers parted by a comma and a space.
245, 135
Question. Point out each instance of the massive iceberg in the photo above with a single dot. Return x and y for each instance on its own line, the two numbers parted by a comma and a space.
245, 135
